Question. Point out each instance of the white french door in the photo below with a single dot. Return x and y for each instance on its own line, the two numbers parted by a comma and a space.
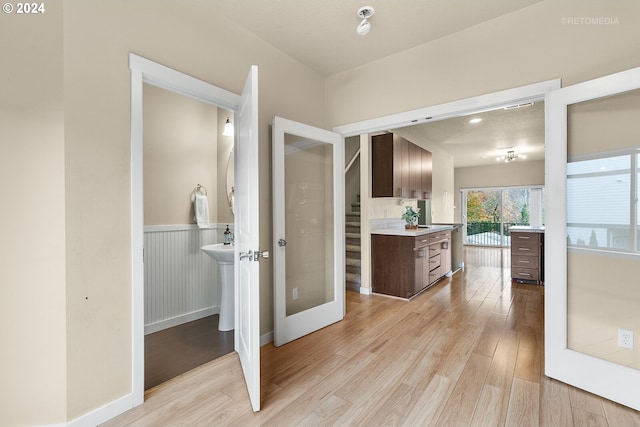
592, 263
247, 233
308, 229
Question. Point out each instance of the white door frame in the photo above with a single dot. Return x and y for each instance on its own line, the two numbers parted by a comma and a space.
146, 71
463, 107
491, 101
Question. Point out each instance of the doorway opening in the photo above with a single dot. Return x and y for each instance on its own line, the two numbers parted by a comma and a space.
246, 330
186, 154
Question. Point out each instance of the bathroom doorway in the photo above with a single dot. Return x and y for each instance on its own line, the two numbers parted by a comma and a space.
186, 153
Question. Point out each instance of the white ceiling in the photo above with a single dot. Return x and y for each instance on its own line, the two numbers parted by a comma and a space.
474, 144
322, 35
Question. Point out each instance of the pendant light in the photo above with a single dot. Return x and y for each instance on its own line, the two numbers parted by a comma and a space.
228, 128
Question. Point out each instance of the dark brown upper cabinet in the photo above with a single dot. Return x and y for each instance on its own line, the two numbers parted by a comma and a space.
399, 168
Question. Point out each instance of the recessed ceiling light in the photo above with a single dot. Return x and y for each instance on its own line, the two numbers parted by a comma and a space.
475, 120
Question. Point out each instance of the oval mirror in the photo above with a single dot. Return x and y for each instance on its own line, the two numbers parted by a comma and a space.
230, 191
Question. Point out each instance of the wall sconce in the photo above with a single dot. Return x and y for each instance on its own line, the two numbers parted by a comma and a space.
228, 128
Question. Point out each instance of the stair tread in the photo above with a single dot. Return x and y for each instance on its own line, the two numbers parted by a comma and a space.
353, 248
353, 277
354, 262
353, 213
352, 224
352, 235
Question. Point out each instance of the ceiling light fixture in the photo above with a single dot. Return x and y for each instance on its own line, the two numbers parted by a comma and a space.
364, 26
510, 157
475, 120
228, 128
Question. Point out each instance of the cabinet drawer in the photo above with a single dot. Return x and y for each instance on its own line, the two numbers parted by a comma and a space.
434, 262
525, 248
435, 249
525, 273
421, 241
438, 236
524, 237
434, 275
523, 261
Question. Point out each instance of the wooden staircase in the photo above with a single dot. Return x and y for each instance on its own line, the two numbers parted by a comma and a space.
352, 246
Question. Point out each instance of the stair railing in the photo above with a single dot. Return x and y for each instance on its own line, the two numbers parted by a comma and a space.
352, 161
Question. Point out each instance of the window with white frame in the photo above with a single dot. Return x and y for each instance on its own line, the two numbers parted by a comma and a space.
602, 192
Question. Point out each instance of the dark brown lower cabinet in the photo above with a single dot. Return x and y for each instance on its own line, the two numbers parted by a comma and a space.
527, 256
403, 266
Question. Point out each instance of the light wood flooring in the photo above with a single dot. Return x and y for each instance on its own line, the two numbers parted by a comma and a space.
468, 352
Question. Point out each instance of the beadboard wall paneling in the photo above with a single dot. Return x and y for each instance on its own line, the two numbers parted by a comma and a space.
180, 281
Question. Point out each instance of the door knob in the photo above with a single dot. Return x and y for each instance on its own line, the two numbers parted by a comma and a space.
254, 256
282, 242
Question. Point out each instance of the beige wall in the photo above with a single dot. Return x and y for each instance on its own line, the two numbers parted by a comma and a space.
499, 175
32, 247
190, 37
531, 45
180, 151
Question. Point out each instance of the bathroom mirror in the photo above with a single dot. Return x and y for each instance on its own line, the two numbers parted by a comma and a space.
230, 190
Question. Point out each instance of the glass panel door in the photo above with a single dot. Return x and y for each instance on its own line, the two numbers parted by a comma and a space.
484, 217
308, 223
308, 215
591, 260
602, 263
491, 212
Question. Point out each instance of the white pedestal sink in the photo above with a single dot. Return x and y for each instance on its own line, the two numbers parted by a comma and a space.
223, 254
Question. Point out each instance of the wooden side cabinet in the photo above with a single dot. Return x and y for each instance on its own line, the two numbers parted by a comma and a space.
399, 168
527, 256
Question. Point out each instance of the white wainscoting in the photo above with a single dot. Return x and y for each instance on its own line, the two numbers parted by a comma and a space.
180, 281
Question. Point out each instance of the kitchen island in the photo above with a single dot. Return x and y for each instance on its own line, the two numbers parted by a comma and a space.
406, 262
527, 254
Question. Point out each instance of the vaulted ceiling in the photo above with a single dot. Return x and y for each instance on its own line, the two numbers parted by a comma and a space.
322, 35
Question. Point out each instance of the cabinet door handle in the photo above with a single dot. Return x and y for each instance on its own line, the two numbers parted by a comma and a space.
524, 274
524, 261
524, 249
524, 237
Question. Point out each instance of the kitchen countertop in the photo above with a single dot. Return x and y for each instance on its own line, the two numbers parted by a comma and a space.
412, 233
526, 229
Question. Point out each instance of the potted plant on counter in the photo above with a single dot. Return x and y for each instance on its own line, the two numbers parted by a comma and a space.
410, 216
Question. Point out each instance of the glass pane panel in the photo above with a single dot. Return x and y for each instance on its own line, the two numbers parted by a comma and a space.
515, 209
483, 217
602, 223
309, 223
591, 185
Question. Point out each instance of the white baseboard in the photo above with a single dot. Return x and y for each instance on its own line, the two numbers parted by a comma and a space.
104, 413
175, 321
266, 338
365, 291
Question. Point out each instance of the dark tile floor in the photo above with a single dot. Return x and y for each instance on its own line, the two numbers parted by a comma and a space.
173, 351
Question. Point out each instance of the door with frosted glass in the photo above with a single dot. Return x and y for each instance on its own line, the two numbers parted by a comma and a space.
308, 203
592, 295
